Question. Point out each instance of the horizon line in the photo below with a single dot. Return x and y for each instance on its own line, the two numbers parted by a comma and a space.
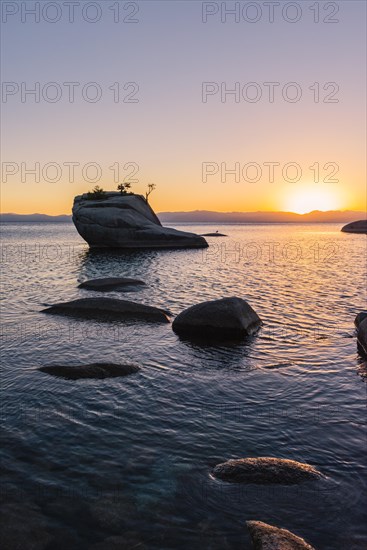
206, 211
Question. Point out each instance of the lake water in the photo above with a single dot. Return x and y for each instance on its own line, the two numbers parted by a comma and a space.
126, 462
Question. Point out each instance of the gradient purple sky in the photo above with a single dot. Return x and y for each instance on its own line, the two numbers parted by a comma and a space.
170, 132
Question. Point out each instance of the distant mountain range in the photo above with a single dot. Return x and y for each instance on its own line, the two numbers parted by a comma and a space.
207, 216
34, 218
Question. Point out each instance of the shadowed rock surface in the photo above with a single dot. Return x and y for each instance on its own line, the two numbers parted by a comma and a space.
356, 227
109, 308
92, 370
111, 283
265, 470
360, 317
362, 337
126, 221
268, 537
225, 318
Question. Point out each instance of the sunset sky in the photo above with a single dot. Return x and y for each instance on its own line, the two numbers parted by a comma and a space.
176, 139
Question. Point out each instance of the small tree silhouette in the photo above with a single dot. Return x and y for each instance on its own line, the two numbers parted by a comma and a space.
151, 187
96, 193
123, 187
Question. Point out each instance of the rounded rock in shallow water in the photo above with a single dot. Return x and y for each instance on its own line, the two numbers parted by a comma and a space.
359, 226
362, 337
224, 318
360, 317
111, 283
214, 235
109, 308
93, 370
268, 537
265, 470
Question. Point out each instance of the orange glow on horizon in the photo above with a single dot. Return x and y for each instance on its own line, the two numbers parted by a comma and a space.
312, 197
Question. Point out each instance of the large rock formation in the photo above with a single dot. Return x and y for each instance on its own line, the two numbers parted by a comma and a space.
265, 470
356, 227
268, 537
224, 318
126, 221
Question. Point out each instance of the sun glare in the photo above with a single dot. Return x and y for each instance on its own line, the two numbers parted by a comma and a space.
307, 199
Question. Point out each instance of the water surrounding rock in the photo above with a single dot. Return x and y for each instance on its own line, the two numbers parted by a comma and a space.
92, 370
109, 308
224, 318
126, 221
268, 537
111, 283
359, 226
265, 470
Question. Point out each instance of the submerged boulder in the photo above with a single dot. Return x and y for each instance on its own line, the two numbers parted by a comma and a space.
111, 283
23, 524
92, 370
265, 470
114, 220
355, 227
109, 308
224, 318
268, 537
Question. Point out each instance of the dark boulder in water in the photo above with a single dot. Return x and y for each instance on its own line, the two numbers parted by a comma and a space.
265, 470
92, 370
360, 317
362, 337
225, 318
111, 283
355, 227
268, 537
109, 308
216, 234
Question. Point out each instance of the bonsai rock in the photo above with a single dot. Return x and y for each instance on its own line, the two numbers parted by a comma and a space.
114, 220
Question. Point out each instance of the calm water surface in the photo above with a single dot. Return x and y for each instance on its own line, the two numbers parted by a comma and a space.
125, 462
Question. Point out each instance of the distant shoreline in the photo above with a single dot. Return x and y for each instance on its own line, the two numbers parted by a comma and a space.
210, 217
